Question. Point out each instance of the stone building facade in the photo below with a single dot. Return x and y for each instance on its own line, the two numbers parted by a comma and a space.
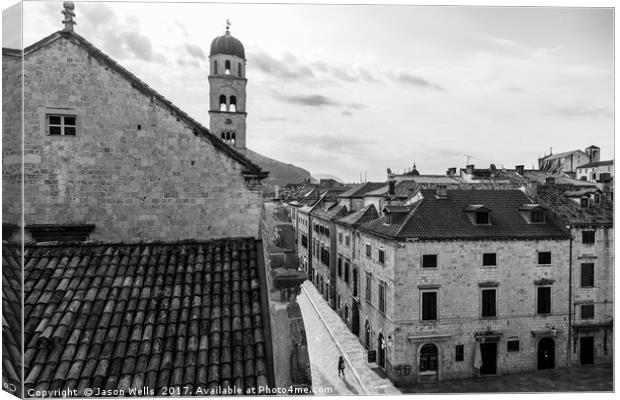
141, 169
442, 297
588, 213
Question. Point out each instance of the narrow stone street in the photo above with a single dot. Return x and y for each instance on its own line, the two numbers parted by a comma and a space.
328, 338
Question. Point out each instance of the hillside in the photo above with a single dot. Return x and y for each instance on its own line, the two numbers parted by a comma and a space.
279, 173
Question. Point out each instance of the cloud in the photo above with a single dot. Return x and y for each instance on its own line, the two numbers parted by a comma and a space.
582, 111
315, 100
346, 113
138, 44
288, 68
195, 51
97, 14
414, 80
312, 100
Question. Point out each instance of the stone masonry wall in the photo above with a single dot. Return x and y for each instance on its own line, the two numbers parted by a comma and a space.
133, 169
457, 279
11, 139
601, 254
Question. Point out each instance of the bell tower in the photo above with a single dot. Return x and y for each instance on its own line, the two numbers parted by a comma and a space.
227, 84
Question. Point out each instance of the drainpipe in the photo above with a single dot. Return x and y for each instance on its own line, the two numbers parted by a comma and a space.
570, 299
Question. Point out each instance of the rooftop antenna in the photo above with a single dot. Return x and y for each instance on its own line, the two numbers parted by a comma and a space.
69, 14
469, 158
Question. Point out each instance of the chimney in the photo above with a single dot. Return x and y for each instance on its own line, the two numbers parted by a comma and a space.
441, 192
469, 169
451, 171
391, 187
520, 169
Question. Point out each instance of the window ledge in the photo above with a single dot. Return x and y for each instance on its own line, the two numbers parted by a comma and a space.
428, 373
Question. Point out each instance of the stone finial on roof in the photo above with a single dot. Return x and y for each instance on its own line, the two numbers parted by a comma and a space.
227, 26
69, 14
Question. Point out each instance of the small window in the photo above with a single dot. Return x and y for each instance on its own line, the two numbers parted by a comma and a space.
346, 272
61, 125
214, 67
489, 259
459, 352
512, 346
381, 256
347, 241
222, 103
587, 275
340, 237
326, 232
585, 201
429, 306
538, 217
597, 198
382, 297
544, 257
233, 104
587, 311
482, 218
368, 251
368, 286
227, 67
544, 300
429, 261
340, 267
239, 71
587, 237
488, 303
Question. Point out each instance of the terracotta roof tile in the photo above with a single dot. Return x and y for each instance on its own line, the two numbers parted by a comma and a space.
118, 316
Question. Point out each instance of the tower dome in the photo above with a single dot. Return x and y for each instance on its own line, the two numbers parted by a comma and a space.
228, 45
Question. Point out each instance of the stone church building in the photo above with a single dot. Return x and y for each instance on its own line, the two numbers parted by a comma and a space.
103, 148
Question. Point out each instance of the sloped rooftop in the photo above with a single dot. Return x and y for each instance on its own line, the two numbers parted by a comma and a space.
444, 218
571, 212
117, 316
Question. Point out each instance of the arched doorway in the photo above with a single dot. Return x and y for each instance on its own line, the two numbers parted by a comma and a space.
428, 359
546, 353
381, 351
367, 335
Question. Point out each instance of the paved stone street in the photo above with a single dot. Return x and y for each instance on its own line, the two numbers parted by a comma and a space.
588, 378
328, 337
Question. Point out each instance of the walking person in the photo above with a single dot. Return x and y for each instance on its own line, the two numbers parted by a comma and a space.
341, 366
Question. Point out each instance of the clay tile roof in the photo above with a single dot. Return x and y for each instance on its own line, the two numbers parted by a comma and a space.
571, 212
12, 318
435, 218
597, 164
366, 214
361, 189
151, 314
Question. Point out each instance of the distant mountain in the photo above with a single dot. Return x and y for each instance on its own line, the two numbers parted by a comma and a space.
279, 173
318, 177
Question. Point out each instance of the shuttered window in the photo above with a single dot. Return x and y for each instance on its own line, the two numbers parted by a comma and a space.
429, 306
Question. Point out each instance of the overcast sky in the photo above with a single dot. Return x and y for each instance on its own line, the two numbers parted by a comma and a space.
344, 89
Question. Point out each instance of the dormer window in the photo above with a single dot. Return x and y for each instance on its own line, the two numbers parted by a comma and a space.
532, 213
597, 198
538, 217
585, 201
482, 218
478, 214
